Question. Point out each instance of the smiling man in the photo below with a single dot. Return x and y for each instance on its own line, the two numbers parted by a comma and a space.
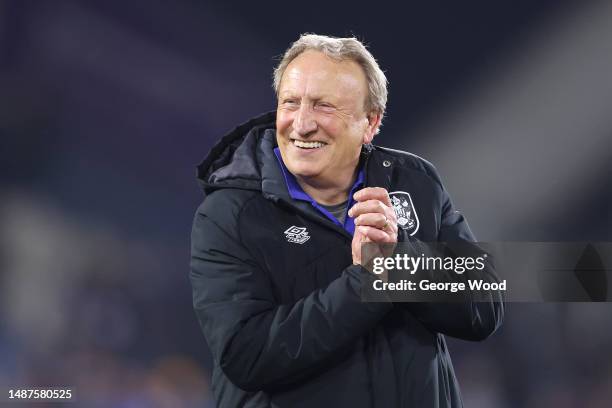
276, 265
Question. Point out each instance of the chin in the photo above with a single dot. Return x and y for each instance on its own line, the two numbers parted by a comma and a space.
304, 171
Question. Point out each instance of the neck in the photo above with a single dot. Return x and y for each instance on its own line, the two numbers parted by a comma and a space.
328, 193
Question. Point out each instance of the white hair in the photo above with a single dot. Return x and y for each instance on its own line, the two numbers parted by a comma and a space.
341, 49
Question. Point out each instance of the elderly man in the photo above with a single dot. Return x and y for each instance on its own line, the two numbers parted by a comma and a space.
276, 248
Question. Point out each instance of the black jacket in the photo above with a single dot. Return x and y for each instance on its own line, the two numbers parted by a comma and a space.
284, 320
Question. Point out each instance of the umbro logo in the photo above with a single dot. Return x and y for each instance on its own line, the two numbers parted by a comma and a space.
297, 235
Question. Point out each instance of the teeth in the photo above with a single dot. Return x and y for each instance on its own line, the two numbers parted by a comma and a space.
308, 145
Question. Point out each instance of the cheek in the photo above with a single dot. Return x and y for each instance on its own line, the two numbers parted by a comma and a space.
334, 128
283, 121
358, 133
329, 122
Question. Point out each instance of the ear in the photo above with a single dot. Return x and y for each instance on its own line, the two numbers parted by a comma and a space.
371, 130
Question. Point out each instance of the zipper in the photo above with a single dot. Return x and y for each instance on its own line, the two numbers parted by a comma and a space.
366, 163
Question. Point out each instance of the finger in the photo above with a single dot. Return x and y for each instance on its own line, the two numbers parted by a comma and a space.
376, 220
385, 222
358, 237
375, 234
358, 240
391, 219
370, 206
373, 193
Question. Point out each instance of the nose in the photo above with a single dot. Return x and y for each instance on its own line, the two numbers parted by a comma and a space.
304, 122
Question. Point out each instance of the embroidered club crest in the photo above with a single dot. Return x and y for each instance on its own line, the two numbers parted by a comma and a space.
407, 217
297, 235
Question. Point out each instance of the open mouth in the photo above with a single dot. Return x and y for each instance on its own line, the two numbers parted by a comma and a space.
307, 145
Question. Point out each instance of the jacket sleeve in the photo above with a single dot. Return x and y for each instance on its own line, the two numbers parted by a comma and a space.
468, 319
258, 343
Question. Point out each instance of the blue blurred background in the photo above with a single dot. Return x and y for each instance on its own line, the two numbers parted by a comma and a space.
107, 106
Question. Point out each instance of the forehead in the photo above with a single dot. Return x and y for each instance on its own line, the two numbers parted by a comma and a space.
312, 72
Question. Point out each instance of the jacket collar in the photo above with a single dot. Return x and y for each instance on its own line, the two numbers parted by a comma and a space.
244, 159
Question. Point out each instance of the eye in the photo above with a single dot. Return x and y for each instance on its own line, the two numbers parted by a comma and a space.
325, 105
290, 103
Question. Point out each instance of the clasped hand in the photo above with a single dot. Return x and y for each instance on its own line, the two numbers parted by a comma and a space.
375, 221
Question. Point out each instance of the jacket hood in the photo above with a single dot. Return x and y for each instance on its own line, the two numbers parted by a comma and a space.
236, 161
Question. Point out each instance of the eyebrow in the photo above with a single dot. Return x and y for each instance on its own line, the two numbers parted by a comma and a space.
316, 98
286, 94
